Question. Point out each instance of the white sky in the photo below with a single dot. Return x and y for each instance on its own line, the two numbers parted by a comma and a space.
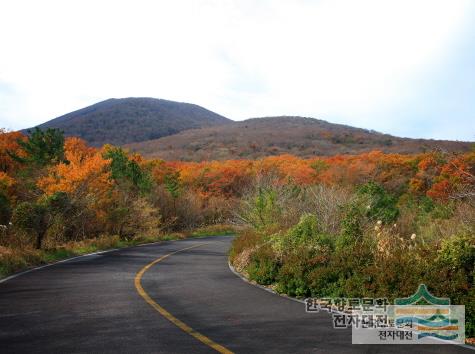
401, 67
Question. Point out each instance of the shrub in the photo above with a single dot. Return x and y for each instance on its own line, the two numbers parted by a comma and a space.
191, 210
263, 267
32, 217
306, 234
264, 209
453, 273
327, 203
248, 240
138, 216
291, 278
322, 281
458, 253
351, 227
272, 205
382, 205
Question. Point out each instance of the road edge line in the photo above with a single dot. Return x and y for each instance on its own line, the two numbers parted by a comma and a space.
181, 325
14, 275
242, 277
239, 275
57, 262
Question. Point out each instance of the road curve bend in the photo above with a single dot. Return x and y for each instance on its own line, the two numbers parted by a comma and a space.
171, 297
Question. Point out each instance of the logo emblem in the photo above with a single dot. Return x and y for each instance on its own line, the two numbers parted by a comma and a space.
427, 315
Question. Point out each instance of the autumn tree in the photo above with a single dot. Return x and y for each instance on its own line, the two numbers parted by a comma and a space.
456, 179
36, 217
132, 184
6, 183
9, 146
86, 172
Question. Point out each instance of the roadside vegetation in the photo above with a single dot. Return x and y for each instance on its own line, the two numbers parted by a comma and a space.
61, 198
374, 229
372, 224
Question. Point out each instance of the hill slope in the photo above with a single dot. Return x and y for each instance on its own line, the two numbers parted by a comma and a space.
259, 137
127, 120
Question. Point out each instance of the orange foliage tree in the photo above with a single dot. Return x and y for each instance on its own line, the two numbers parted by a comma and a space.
8, 146
86, 178
455, 178
86, 171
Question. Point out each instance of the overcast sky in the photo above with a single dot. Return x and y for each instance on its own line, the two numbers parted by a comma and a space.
401, 67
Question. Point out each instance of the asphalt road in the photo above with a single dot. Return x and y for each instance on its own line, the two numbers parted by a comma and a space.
91, 305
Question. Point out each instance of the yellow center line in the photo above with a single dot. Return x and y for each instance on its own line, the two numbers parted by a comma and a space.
183, 326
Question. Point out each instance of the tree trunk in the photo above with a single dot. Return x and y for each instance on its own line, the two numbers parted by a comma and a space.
39, 239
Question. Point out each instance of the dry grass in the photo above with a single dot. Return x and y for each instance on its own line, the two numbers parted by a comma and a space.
190, 210
14, 259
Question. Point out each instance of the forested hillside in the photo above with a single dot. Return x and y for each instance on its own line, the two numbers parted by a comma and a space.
127, 120
171, 130
261, 137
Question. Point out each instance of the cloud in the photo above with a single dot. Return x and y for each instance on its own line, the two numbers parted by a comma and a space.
345, 61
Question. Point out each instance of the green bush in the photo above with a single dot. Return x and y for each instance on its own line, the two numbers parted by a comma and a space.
382, 205
292, 277
323, 281
469, 302
458, 253
455, 273
305, 234
377, 251
351, 227
263, 267
273, 206
264, 209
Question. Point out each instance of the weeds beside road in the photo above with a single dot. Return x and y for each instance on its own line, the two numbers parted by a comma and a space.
15, 260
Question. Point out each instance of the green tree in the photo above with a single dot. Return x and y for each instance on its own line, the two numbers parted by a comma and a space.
128, 172
264, 209
382, 205
173, 186
37, 217
42, 148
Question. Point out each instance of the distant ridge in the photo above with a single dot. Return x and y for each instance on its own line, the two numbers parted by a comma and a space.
170, 130
135, 119
271, 136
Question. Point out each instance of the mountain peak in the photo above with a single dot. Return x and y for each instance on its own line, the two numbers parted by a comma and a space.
126, 120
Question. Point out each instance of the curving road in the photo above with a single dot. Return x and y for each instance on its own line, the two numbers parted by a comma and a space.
110, 303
